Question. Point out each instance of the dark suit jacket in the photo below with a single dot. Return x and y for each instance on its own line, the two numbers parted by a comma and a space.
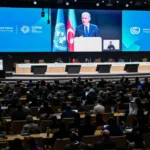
111, 47
93, 31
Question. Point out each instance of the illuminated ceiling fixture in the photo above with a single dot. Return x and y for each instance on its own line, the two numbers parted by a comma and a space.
97, 4
67, 3
35, 2
127, 5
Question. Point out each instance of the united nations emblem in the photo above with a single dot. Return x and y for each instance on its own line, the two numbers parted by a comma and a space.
60, 41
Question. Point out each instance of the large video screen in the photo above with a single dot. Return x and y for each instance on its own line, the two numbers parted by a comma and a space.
24, 30
135, 31
73, 30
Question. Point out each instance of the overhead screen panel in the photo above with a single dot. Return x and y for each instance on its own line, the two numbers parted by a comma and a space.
24, 30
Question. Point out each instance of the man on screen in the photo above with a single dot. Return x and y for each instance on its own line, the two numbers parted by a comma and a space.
111, 46
86, 29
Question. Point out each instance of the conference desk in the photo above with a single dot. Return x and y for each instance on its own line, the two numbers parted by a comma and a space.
85, 67
42, 135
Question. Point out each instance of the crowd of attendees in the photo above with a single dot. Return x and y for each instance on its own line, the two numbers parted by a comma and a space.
80, 94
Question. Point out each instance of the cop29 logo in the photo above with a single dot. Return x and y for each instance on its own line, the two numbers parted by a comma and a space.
25, 29
135, 30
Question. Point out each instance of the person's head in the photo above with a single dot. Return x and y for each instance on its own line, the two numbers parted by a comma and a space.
86, 59
74, 137
32, 143
111, 122
78, 103
105, 134
77, 117
30, 81
87, 119
91, 90
110, 43
98, 117
29, 119
86, 18
99, 101
45, 104
16, 144
19, 106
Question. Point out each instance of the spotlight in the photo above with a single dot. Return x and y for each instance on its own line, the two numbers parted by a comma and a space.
67, 3
127, 5
42, 13
97, 4
35, 2
103, 1
145, 2
130, 2
117, 2
75, 0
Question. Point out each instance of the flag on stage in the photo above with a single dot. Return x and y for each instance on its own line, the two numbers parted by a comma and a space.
60, 40
71, 26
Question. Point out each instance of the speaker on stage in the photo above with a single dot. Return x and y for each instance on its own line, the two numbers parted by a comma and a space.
131, 67
103, 68
73, 68
2, 74
38, 69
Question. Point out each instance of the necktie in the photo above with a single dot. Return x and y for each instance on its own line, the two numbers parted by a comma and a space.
86, 31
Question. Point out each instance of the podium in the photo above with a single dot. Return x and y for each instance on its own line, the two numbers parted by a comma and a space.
73, 68
131, 67
39, 69
88, 44
103, 68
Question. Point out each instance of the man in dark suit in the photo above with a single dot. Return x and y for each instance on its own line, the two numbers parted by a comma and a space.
105, 143
111, 46
87, 128
86, 29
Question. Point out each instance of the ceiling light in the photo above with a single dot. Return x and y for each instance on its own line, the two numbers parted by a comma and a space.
35, 2
97, 4
127, 5
67, 3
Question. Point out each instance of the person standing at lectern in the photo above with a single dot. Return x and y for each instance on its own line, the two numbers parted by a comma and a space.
111, 46
86, 29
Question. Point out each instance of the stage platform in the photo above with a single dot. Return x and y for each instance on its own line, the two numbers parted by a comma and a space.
65, 76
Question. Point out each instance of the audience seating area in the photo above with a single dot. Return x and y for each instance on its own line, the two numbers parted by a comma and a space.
77, 114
